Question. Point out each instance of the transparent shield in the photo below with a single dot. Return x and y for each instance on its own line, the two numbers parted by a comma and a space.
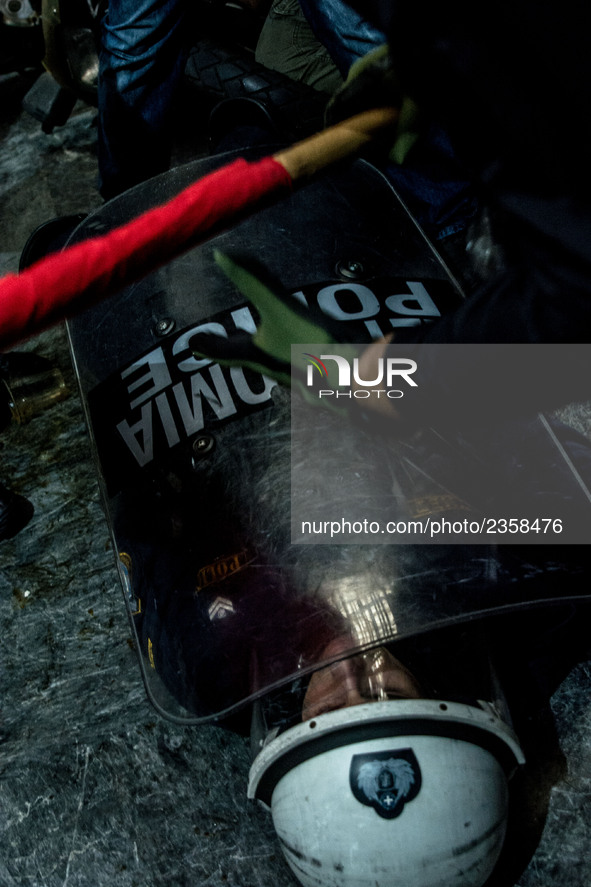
194, 460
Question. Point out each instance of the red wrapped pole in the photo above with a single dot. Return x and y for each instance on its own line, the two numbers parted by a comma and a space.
68, 282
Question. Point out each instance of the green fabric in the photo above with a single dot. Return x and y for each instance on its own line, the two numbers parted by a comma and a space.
288, 44
281, 325
283, 322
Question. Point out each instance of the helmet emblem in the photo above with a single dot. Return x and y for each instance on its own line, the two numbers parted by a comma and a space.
386, 780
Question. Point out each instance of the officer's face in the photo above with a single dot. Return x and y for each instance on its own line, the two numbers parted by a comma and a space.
367, 677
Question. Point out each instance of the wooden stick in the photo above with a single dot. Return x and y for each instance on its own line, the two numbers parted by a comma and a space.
310, 156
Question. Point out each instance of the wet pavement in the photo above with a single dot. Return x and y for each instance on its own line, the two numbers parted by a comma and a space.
96, 790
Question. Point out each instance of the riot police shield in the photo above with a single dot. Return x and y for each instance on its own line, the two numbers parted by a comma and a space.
194, 457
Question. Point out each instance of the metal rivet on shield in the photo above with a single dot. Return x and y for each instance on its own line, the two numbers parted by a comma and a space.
202, 445
164, 327
352, 269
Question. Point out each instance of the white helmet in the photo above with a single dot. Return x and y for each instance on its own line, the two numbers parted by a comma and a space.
411, 792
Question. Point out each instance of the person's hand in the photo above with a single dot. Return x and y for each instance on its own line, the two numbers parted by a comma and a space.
382, 407
372, 82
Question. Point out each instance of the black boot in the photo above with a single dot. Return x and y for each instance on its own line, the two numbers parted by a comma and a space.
15, 513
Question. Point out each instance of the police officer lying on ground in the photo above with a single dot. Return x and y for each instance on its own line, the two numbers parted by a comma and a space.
370, 730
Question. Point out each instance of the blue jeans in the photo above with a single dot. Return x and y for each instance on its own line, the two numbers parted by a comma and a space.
141, 62
430, 181
345, 34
